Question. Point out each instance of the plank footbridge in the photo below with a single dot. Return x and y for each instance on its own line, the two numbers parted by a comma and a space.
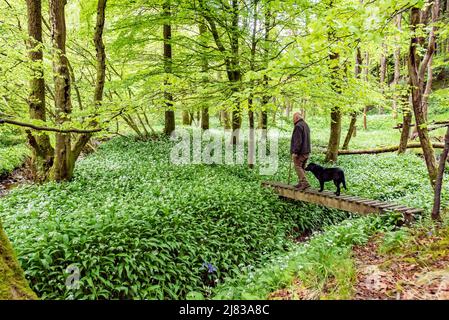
343, 202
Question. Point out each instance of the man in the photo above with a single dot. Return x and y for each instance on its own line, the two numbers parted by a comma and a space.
300, 149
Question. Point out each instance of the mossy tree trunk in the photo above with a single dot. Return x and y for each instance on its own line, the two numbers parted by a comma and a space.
42, 150
334, 138
63, 166
13, 285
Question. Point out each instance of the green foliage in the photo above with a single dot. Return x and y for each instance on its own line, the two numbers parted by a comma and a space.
439, 101
327, 256
139, 227
12, 158
13, 150
394, 240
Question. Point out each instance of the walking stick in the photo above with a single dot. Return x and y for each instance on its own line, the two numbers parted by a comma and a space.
290, 169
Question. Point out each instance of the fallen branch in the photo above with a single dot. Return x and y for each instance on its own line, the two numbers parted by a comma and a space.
386, 149
437, 125
38, 128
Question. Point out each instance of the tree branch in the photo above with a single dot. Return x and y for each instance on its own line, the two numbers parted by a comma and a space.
39, 128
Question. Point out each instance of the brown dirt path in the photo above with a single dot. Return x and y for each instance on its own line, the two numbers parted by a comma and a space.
419, 271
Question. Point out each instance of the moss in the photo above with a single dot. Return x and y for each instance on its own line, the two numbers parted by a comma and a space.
13, 284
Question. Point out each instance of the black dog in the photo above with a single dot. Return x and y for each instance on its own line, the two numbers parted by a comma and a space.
327, 174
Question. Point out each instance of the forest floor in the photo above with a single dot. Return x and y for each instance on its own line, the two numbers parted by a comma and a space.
409, 264
129, 212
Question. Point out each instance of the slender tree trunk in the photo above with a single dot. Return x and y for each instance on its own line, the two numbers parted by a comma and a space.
226, 119
383, 70
405, 133
351, 131
439, 180
100, 78
366, 74
335, 130
397, 69
263, 124
251, 140
43, 152
352, 124
169, 113
235, 74
204, 67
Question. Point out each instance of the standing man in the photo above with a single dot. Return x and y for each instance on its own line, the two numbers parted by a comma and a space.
300, 149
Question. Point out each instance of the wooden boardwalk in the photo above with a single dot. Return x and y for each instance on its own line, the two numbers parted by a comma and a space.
343, 202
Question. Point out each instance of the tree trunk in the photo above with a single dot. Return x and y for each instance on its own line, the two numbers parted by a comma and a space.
204, 67
251, 138
366, 77
63, 167
385, 149
43, 152
439, 180
397, 69
13, 285
205, 118
417, 70
251, 142
405, 133
226, 119
263, 120
365, 125
169, 113
352, 124
383, 70
100, 77
263, 123
351, 130
334, 138
234, 73
335, 130
186, 119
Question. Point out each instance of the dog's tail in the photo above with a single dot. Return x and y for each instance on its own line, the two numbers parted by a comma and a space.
344, 182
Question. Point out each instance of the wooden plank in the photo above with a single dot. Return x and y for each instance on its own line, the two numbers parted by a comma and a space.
353, 199
385, 206
414, 211
344, 197
397, 208
369, 202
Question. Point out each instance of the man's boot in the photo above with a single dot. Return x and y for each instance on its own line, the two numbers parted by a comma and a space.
302, 186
